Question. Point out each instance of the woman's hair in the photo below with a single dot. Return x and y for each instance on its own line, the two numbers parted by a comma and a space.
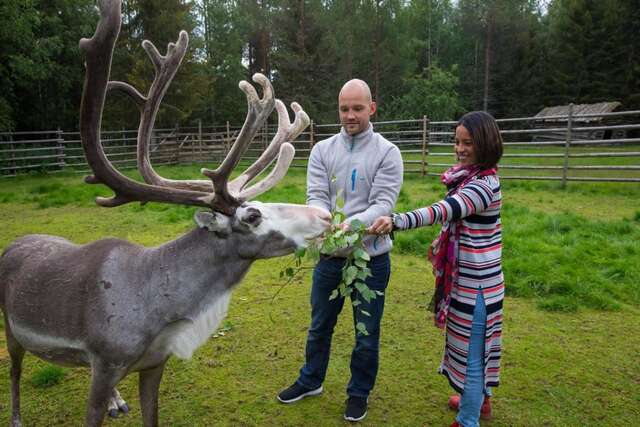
485, 134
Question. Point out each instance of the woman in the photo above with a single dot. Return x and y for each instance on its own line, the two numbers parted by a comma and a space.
467, 262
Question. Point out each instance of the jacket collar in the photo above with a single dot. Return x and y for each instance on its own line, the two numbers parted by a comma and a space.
358, 139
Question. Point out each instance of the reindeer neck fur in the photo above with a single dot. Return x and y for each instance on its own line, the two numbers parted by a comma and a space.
195, 268
194, 275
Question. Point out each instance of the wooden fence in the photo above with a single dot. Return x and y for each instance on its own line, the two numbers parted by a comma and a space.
597, 147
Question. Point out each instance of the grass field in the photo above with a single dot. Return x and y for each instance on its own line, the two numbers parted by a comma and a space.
572, 316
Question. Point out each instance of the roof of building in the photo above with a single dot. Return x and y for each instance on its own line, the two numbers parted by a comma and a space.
578, 109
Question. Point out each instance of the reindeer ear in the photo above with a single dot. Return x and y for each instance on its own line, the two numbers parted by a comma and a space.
212, 222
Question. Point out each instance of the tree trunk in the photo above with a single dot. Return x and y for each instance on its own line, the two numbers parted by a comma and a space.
429, 40
377, 59
348, 8
301, 41
487, 57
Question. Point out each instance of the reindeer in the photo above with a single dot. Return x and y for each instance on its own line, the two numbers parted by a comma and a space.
118, 307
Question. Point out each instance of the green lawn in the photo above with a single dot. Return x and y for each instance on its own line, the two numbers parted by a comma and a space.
571, 342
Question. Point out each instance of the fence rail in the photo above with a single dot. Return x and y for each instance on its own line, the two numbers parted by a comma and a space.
594, 147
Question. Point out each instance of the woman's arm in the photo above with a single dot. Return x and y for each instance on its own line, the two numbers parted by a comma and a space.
473, 198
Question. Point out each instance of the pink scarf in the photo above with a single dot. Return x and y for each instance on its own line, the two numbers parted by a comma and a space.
443, 252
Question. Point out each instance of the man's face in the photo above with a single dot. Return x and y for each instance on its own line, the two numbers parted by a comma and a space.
355, 109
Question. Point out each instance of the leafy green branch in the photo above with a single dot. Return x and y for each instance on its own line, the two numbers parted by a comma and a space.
348, 243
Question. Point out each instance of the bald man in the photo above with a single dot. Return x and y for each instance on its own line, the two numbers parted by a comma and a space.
365, 170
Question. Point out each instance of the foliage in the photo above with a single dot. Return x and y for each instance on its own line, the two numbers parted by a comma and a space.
434, 94
354, 270
48, 376
512, 56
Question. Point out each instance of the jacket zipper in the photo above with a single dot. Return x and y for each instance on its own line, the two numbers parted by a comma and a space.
346, 178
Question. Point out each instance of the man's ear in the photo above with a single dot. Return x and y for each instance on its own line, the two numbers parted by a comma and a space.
373, 107
217, 223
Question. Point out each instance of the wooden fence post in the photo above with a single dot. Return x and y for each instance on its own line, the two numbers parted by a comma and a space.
177, 141
228, 141
425, 144
60, 149
125, 145
12, 155
311, 136
200, 137
567, 145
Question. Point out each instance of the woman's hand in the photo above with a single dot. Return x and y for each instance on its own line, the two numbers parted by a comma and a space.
382, 225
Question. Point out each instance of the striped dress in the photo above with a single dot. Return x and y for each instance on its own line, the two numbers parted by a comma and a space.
475, 209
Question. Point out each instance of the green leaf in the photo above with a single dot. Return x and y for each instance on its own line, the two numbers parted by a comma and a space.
344, 290
333, 295
328, 248
366, 313
313, 253
362, 329
361, 254
363, 274
349, 274
352, 239
338, 218
361, 263
356, 302
300, 252
366, 293
358, 225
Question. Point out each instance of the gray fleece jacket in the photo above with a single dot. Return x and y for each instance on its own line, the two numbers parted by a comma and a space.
368, 175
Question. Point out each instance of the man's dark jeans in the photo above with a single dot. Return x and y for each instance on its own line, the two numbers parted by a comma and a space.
324, 315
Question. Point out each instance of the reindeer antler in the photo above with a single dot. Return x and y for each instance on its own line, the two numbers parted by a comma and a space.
218, 193
287, 131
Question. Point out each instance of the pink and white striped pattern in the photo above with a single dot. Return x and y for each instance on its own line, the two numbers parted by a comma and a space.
475, 210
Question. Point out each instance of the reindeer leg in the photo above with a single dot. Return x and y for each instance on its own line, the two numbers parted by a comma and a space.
148, 385
103, 380
16, 351
122, 405
112, 406
116, 404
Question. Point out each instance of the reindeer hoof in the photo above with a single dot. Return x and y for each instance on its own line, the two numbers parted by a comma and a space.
113, 413
124, 408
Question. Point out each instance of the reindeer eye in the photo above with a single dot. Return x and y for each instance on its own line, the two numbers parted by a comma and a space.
253, 217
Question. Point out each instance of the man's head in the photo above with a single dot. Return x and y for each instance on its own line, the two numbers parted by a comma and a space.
355, 106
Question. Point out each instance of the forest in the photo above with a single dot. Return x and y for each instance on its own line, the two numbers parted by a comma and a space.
438, 58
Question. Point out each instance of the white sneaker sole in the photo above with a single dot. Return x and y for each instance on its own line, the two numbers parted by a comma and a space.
352, 419
302, 396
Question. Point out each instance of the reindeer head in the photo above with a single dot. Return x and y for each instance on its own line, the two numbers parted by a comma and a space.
265, 230
278, 228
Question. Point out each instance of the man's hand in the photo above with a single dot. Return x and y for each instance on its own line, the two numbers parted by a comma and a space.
382, 225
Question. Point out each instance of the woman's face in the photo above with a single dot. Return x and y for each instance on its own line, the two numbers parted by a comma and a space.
464, 147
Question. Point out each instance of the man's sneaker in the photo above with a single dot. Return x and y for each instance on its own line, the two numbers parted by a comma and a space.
485, 409
356, 408
297, 392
